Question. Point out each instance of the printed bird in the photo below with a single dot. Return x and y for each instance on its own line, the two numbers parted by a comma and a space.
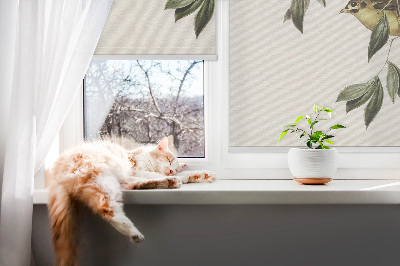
369, 12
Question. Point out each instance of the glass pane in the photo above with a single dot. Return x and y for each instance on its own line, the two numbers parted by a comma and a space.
143, 101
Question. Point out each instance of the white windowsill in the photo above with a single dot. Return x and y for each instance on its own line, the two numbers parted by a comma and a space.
264, 192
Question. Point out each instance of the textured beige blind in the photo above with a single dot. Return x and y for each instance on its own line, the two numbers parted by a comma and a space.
145, 27
277, 74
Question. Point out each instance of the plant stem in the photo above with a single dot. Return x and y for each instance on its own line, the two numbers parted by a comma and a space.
316, 118
387, 57
303, 131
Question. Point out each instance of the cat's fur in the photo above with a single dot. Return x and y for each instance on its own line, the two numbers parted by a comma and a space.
94, 174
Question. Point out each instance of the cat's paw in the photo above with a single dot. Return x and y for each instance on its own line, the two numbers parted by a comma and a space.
174, 182
201, 176
182, 167
137, 237
209, 177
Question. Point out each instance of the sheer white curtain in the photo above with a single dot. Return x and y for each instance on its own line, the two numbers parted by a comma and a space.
55, 40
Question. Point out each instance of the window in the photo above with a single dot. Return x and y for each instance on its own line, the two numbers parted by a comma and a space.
214, 140
141, 102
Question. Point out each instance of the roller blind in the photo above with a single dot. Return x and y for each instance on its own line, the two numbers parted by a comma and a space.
140, 28
277, 73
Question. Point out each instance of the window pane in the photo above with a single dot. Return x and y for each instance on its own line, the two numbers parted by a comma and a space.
144, 101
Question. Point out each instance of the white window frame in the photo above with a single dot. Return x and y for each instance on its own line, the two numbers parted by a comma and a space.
231, 163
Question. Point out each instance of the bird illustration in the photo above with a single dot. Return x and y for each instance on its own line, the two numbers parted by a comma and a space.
369, 12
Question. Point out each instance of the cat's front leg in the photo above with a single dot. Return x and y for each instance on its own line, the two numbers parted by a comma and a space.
164, 182
181, 168
148, 175
197, 177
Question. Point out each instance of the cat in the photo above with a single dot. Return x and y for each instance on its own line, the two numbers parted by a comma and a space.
94, 174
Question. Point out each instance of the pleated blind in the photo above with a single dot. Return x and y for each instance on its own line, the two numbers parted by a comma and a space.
140, 28
277, 73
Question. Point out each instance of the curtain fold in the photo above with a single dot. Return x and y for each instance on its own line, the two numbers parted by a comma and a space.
8, 19
55, 41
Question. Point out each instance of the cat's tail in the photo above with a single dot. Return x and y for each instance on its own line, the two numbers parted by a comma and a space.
62, 212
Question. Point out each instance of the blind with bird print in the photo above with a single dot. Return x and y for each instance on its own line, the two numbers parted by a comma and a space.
287, 55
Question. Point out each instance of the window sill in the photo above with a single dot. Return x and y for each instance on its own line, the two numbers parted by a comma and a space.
264, 192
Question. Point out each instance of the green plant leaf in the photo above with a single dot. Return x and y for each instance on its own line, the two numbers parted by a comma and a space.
302, 134
298, 119
309, 144
283, 134
379, 36
328, 110
337, 126
353, 92
174, 4
298, 9
187, 10
316, 136
322, 2
327, 137
309, 121
374, 106
204, 16
313, 123
322, 146
393, 80
329, 141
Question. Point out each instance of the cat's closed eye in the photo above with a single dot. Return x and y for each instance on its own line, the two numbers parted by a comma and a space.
165, 158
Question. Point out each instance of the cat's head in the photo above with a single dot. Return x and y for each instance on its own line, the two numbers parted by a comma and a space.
164, 160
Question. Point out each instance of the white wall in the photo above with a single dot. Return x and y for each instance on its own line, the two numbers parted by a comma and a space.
237, 235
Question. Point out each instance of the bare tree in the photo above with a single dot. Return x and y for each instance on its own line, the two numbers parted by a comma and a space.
145, 108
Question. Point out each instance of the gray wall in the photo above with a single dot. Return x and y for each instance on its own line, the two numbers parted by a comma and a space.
237, 235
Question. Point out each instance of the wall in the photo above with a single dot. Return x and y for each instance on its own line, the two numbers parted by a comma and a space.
237, 235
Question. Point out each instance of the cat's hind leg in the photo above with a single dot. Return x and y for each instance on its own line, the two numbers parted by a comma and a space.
103, 195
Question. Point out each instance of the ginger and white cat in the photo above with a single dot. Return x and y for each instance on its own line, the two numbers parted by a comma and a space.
94, 175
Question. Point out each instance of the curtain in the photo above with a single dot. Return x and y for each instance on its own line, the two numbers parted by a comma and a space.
54, 43
8, 18
99, 101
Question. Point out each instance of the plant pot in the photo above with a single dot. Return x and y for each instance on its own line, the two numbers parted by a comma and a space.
312, 167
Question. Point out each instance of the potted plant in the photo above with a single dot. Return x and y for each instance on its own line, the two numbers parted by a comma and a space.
317, 163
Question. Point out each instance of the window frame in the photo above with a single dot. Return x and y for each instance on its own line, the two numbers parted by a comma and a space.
232, 163
354, 162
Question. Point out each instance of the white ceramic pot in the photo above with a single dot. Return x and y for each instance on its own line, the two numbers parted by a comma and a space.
309, 166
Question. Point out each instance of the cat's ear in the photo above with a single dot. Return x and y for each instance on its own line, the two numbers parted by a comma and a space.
163, 145
171, 146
